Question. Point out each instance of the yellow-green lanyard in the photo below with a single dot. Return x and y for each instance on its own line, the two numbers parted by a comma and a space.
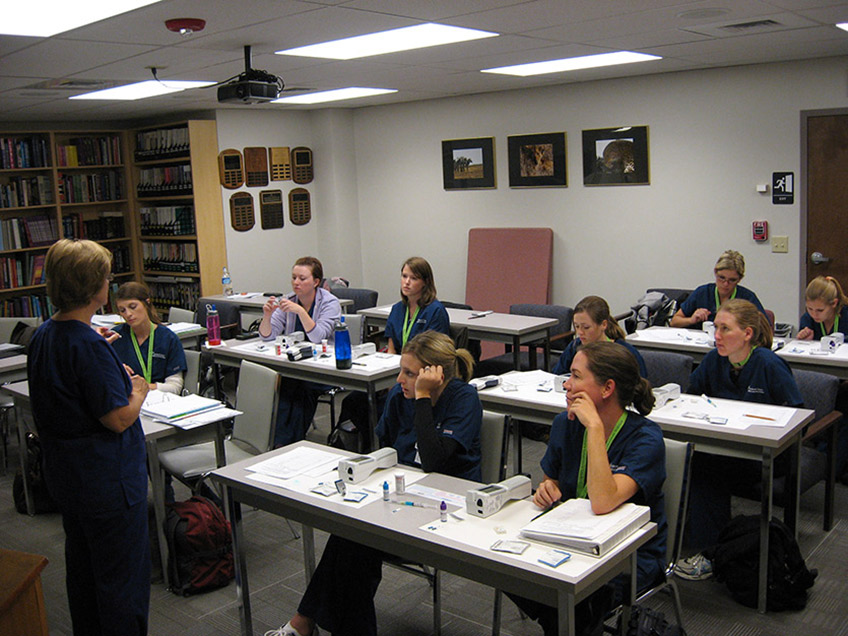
146, 371
739, 365
582, 490
408, 324
835, 326
732, 296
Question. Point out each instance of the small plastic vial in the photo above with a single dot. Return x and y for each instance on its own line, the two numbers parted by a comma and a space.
324, 345
385, 491
400, 483
443, 512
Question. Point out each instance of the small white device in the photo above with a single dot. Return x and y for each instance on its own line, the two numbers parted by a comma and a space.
299, 351
666, 393
559, 382
832, 342
486, 501
485, 382
364, 349
356, 469
292, 339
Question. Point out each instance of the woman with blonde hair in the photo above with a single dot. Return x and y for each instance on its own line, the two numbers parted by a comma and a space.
827, 309
432, 418
593, 322
703, 303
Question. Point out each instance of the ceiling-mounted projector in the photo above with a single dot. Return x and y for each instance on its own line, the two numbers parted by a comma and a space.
251, 87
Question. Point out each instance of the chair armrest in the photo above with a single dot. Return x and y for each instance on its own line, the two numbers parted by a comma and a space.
822, 424
618, 317
563, 335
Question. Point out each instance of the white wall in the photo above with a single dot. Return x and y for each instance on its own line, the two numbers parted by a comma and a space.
714, 135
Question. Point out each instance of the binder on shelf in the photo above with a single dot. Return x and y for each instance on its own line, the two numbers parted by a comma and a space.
573, 524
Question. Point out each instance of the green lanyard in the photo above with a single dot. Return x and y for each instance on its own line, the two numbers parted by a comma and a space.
739, 365
582, 490
408, 324
835, 326
732, 296
146, 371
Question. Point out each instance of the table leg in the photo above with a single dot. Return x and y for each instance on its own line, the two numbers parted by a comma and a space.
516, 432
242, 588
765, 518
308, 551
216, 374
629, 594
369, 437
565, 613
516, 354
546, 360
21, 425
792, 496
829, 488
220, 450
157, 485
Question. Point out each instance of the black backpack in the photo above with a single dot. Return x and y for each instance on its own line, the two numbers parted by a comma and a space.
647, 622
200, 546
736, 562
41, 499
654, 308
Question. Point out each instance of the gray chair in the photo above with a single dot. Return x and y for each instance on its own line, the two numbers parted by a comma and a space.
362, 298
494, 437
253, 432
561, 335
178, 314
354, 324
665, 366
819, 391
191, 383
7, 326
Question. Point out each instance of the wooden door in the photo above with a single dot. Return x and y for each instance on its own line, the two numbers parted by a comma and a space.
827, 195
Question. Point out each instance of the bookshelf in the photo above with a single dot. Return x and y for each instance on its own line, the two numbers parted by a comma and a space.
180, 223
54, 183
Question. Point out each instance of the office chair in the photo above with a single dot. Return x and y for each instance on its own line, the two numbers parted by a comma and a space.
665, 366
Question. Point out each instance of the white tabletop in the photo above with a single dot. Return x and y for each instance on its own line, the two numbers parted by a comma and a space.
808, 354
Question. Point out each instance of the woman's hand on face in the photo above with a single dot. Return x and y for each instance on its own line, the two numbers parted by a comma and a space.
429, 379
270, 305
547, 494
583, 408
805, 334
700, 315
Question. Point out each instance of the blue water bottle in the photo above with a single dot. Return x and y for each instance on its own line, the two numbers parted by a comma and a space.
342, 345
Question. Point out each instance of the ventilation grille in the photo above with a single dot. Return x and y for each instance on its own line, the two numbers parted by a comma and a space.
768, 24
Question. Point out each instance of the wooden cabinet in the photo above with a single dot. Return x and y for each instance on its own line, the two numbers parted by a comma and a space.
179, 216
22, 610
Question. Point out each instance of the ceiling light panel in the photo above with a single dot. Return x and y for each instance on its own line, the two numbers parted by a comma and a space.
141, 90
573, 63
353, 92
403, 39
43, 18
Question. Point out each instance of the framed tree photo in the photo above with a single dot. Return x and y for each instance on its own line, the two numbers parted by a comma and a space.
537, 160
468, 163
616, 156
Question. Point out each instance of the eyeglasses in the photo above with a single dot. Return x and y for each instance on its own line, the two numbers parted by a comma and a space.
110, 277
725, 279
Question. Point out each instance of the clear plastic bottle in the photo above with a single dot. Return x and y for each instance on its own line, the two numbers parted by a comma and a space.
341, 345
227, 283
213, 326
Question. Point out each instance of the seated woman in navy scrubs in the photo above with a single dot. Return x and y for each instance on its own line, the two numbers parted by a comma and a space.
313, 311
602, 450
701, 305
741, 367
145, 345
827, 309
593, 322
432, 414
418, 310
86, 407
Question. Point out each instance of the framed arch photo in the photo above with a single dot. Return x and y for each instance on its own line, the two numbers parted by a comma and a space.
468, 163
616, 156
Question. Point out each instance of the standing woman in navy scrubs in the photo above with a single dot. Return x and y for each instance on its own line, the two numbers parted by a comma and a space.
827, 309
703, 303
418, 309
314, 311
145, 345
593, 322
86, 408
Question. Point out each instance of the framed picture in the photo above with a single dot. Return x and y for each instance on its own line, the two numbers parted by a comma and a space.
616, 156
468, 163
537, 160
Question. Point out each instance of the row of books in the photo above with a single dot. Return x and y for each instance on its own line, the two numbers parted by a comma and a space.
21, 271
170, 220
24, 152
108, 225
34, 305
165, 294
29, 231
90, 151
170, 257
86, 188
22, 192
162, 143
173, 180
121, 259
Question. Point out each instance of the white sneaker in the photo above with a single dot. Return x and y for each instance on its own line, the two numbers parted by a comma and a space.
694, 568
285, 630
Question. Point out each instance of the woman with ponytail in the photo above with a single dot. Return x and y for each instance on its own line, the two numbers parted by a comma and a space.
600, 449
741, 367
827, 309
432, 418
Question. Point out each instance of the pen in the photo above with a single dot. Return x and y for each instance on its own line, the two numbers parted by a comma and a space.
709, 401
544, 512
359, 364
759, 417
414, 504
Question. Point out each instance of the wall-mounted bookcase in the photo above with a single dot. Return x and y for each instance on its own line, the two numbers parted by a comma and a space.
179, 217
56, 183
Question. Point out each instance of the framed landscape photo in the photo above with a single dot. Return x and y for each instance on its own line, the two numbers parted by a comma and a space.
468, 163
616, 156
537, 160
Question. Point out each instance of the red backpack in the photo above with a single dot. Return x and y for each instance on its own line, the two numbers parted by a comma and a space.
200, 546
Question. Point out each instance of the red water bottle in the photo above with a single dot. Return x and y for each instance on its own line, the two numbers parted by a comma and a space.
213, 326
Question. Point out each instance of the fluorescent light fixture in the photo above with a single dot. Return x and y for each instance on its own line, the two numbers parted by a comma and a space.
43, 18
140, 90
403, 39
573, 63
843, 26
335, 95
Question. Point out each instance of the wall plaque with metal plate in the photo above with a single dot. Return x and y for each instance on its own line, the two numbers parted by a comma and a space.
241, 211
300, 208
271, 209
256, 167
280, 159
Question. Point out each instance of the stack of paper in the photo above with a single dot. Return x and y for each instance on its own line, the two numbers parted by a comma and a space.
179, 407
574, 525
